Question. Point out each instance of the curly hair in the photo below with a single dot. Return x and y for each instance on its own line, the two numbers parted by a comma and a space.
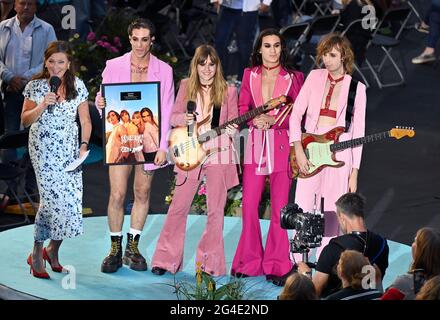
340, 43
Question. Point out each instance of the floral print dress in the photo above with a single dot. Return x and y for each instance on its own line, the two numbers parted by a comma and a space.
53, 145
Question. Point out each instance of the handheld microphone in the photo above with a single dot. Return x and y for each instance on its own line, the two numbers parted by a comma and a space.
54, 83
191, 108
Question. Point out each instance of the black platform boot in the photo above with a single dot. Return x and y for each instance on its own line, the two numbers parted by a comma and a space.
132, 257
113, 261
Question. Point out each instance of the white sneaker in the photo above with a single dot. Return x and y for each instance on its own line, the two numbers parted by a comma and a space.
424, 58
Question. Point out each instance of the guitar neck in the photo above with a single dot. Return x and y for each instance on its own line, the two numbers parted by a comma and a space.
359, 141
208, 135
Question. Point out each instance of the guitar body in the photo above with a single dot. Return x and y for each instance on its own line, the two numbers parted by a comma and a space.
317, 150
186, 152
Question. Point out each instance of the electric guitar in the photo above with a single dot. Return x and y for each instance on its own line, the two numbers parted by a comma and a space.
321, 149
185, 145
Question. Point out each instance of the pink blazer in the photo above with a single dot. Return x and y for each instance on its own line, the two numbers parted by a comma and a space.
226, 157
310, 100
277, 139
117, 70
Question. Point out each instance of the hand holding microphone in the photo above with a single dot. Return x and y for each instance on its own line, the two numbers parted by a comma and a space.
190, 113
51, 98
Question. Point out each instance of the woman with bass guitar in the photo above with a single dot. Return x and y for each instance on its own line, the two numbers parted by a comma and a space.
215, 103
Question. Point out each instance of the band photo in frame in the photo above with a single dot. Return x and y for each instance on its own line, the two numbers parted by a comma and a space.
131, 122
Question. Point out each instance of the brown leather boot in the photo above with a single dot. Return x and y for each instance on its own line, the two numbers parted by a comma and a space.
132, 257
113, 261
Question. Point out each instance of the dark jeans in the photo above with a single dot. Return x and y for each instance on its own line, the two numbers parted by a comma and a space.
244, 24
12, 103
434, 24
2, 116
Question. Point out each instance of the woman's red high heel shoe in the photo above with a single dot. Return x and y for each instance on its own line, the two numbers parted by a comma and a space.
46, 257
42, 275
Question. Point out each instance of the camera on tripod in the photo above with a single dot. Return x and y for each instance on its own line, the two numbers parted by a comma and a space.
309, 227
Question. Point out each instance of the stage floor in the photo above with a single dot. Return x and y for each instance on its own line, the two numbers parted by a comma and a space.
83, 255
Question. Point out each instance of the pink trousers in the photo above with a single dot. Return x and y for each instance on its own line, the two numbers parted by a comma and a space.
250, 257
210, 251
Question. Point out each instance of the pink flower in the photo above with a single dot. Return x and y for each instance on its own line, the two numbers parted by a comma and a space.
106, 45
117, 41
113, 49
104, 38
202, 190
100, 43
91, 36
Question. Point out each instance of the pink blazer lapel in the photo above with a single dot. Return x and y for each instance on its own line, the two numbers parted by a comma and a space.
124, 69
153, 67
255, 85
282, 84
318, 89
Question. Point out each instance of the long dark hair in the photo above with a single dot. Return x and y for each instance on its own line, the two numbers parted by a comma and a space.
256, 58
145, 109
69, 75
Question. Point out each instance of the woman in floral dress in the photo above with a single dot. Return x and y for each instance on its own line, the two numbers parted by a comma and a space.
53, 145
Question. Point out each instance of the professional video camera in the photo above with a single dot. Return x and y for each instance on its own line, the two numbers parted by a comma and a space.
309, 228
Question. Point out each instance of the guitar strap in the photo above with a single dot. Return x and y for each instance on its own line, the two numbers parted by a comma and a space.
350, 104
215, 117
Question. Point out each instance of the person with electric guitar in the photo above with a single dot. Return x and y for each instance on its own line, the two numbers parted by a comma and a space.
204, 102
266, 154
332, 105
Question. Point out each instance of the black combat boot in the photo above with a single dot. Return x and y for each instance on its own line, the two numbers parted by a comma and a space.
113, 261
132, 257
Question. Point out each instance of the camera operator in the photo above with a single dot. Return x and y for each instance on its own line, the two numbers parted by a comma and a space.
356, 236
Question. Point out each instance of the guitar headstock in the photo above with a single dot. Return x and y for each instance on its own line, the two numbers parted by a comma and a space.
277, 102
400, 132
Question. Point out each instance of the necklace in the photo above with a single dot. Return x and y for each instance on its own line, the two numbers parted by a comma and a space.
139, 69
271, 68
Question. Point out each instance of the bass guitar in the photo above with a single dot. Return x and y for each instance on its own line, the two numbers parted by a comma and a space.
186, 147
321, 149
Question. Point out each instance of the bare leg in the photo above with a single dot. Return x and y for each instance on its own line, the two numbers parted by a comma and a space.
118, 188
37, 257
142, 187
52, 251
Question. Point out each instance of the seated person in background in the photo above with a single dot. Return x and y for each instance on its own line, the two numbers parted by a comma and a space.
298, 287
352, 271
357, 35
425, 265
430, 290
356, 236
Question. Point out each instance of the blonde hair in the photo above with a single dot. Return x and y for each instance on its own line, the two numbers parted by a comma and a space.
430, 290
340, 43
219, 86
298, 287
351, 263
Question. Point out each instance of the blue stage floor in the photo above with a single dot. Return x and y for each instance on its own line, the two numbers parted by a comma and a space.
84, 255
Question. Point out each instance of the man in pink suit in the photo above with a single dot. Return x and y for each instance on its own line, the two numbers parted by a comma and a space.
323, 100
138, 65
207, 87
267, 153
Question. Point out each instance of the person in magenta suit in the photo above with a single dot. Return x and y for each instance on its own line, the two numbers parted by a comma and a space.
216, 100
323, 101
138, 65
266, 154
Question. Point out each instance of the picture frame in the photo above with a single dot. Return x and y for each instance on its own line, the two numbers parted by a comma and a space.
131, 122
